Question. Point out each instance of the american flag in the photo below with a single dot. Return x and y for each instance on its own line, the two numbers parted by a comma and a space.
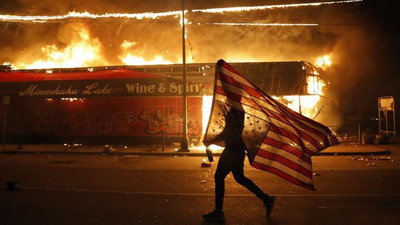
278, 139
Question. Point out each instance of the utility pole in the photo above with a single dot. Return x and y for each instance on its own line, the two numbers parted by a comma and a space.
6, 102
184, 141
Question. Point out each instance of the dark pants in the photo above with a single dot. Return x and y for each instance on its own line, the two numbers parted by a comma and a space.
227, 163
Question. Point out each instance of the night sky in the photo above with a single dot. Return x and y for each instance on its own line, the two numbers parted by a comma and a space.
362, 38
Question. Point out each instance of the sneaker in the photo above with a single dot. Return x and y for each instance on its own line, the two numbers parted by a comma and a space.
214, 216
269, 205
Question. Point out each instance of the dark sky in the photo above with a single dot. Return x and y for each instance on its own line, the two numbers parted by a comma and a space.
363, 39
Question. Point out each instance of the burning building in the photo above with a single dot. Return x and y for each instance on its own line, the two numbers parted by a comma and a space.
84, 101
135, 104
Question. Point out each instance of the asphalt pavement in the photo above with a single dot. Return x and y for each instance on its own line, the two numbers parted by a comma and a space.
80, 184
97, 188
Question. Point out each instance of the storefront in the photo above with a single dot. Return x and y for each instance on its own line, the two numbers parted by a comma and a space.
106, 106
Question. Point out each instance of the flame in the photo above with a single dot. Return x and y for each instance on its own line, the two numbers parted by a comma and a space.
307, 105
83, 50
206, 109
153, 15
314, 85
88, 15
128, 58
304, 104
251, 8
323, 62
264, 24
139, 60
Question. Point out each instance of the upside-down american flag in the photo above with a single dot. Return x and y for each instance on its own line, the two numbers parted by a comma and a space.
278, 139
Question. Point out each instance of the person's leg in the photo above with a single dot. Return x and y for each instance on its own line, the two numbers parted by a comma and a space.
239, 176
219, 177
268, 200
222, 171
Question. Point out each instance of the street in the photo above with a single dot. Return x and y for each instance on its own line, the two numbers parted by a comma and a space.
133, 189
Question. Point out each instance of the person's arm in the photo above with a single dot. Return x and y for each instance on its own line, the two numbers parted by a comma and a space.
218, 138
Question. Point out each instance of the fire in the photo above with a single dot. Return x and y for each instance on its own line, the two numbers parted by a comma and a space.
323, 62
128, 58
207, 102
304, 104
265, 24
86, 51
314, 85
87, 15
251, 8
83, 50
139, 60
153, 15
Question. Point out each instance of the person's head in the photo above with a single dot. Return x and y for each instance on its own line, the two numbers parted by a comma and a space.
234, 121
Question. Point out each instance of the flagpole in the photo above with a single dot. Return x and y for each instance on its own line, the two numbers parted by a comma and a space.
184, 141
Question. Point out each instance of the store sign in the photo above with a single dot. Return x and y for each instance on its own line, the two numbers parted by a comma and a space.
102, 88
386, 103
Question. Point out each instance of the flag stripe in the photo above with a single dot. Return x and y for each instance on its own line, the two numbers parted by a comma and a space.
280, 138
288, 112
266, 167
289, 171
237, 105
284, 140
286, 147
300, 125
310, 137
285, 161
305, 137
238, 98
292, 136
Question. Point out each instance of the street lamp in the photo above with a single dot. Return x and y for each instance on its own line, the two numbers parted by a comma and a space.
184, 140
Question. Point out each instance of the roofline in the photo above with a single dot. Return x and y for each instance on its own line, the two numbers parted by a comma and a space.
6, 68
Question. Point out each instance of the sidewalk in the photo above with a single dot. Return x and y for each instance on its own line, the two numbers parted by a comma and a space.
340, 149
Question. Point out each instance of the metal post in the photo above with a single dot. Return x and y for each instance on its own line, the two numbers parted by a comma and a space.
5, 126
394, 120
386, 123
184, 141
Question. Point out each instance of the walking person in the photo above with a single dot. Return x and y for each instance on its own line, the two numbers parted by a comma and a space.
232, 160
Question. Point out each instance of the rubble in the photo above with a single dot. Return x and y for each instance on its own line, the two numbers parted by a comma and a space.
372, 157
13, 185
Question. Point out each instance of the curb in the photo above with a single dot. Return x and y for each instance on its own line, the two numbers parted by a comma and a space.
384, 152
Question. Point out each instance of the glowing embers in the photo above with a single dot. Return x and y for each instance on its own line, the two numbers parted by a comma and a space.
52, 100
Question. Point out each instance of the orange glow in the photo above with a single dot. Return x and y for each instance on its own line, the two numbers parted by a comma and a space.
83, 50
314, 85
139, 60
152, 15
304, 104
128, 57
77, 15
323, 62
207, 103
